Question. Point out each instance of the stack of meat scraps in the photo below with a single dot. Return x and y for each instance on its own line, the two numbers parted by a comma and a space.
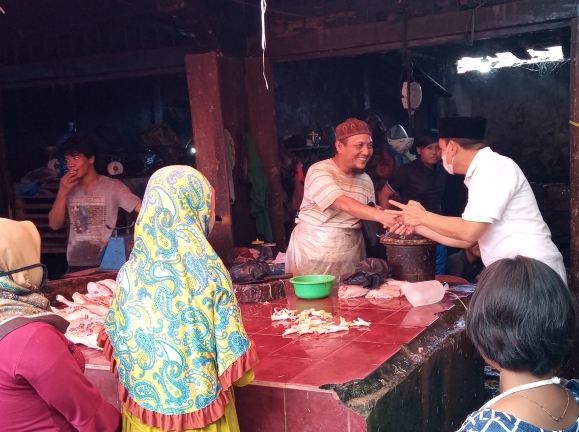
369, 279
86, 313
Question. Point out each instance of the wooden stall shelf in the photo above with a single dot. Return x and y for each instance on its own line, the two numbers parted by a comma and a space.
36, 209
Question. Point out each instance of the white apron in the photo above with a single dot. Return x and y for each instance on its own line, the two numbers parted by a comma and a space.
322, 250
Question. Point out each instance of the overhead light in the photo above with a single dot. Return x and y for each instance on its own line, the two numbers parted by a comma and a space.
485, 65
507, 59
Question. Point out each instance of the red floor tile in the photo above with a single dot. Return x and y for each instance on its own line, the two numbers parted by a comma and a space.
403, 303
352, 303
332, 372
278, 303
357, 423
256, 309
276, 328
255, 324
266, 344
310, 348
396, 318
326, 304
421, 316
364, 353
280, 369
250, 402
310, 411
373, 316
390, 334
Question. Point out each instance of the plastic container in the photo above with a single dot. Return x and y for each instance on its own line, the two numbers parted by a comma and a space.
313, 286
423, 293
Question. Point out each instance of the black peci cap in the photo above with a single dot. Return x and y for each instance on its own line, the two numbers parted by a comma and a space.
462, 127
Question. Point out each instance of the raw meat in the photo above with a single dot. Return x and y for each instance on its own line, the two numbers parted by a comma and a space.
352, 291
86, 313
312, 321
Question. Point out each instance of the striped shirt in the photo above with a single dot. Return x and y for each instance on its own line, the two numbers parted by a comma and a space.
325, 182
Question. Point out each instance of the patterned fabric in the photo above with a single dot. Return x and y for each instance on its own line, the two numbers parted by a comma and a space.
20, 247
174, 322
15, 303
489, 420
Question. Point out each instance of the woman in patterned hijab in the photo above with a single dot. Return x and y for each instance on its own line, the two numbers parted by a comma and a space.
20, 276
174, 326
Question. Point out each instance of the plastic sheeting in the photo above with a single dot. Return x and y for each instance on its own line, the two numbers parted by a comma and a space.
369, 273
322, 250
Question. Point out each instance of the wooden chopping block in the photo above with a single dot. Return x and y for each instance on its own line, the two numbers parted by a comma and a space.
259, 292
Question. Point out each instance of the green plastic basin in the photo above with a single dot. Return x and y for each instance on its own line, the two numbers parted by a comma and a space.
313, 286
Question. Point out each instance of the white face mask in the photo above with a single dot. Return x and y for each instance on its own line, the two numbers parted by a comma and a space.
447, 166
211, 222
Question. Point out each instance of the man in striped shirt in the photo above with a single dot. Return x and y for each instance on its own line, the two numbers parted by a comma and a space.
328, 237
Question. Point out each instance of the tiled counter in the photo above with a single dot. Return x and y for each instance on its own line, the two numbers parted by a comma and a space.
412, 369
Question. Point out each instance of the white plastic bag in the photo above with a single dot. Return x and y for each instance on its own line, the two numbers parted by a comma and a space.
423, 293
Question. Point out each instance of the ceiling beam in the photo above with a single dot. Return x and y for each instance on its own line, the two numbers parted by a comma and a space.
97, 68
492, 21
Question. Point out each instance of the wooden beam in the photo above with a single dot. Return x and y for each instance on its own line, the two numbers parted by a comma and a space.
574, 155
234, 107
207, 120
6, 191
491, 21
262, 125
98, 68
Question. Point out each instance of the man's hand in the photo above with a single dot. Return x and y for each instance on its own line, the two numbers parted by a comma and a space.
67, 182
388, 220
57, 214
401, 229
412, 213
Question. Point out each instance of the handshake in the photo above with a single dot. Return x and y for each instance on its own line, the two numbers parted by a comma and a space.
404, 221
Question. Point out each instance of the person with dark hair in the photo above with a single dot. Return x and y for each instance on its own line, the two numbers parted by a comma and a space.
465, 263
501, 213
523, 320
92, 202
421, 180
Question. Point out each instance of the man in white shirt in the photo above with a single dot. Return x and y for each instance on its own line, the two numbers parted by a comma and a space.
328, 237
501, 213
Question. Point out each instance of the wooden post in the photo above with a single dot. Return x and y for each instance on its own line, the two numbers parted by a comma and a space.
5, 183
574, 155
207, 120
262, 126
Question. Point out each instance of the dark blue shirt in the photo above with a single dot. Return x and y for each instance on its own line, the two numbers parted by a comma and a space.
415, 181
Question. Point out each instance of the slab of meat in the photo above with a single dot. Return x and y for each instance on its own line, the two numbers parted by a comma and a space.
86, 313
104, 288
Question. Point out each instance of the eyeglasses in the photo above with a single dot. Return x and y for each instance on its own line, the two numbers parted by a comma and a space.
21, 269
